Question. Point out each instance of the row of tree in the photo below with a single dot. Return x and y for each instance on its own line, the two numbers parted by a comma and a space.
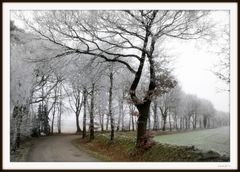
110, 68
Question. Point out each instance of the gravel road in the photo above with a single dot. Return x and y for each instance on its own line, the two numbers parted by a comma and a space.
57, 149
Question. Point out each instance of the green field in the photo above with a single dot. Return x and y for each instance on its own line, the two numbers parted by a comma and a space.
217, 139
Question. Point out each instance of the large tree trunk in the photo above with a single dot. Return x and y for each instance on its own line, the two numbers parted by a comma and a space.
84, 112
91, 127
142, 121
143, 106
110, 106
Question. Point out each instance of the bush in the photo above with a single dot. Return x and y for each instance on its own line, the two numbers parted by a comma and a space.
147, 141
35, 132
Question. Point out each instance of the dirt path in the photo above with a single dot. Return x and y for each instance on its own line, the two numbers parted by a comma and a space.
57, 149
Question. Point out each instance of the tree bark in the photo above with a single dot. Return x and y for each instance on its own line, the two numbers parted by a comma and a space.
84, 112
149, 120
110, 106
142, 121
129, 122
54, 109
133, 127
164, 122
176, 121
107, 123
169, 119
155, 119
164, 117
60, 112
77, 123
200, 122
101, 118
91, 127
78, 110
204, 121
194, 121
53, 119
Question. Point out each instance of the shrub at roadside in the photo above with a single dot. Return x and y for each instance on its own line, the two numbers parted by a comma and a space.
122, 149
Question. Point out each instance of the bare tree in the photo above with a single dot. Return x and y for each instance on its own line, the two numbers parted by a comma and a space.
109, 35
85, 94
155, 118
120, 112
78, 101
222, 66
91, 115
60, 111
110, 105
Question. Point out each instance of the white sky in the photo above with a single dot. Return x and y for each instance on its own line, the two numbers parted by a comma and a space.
192, 68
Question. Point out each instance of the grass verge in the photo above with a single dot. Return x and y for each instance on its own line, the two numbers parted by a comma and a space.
21, 154
122, 149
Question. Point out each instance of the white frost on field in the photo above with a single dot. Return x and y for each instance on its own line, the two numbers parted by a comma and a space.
217, 139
